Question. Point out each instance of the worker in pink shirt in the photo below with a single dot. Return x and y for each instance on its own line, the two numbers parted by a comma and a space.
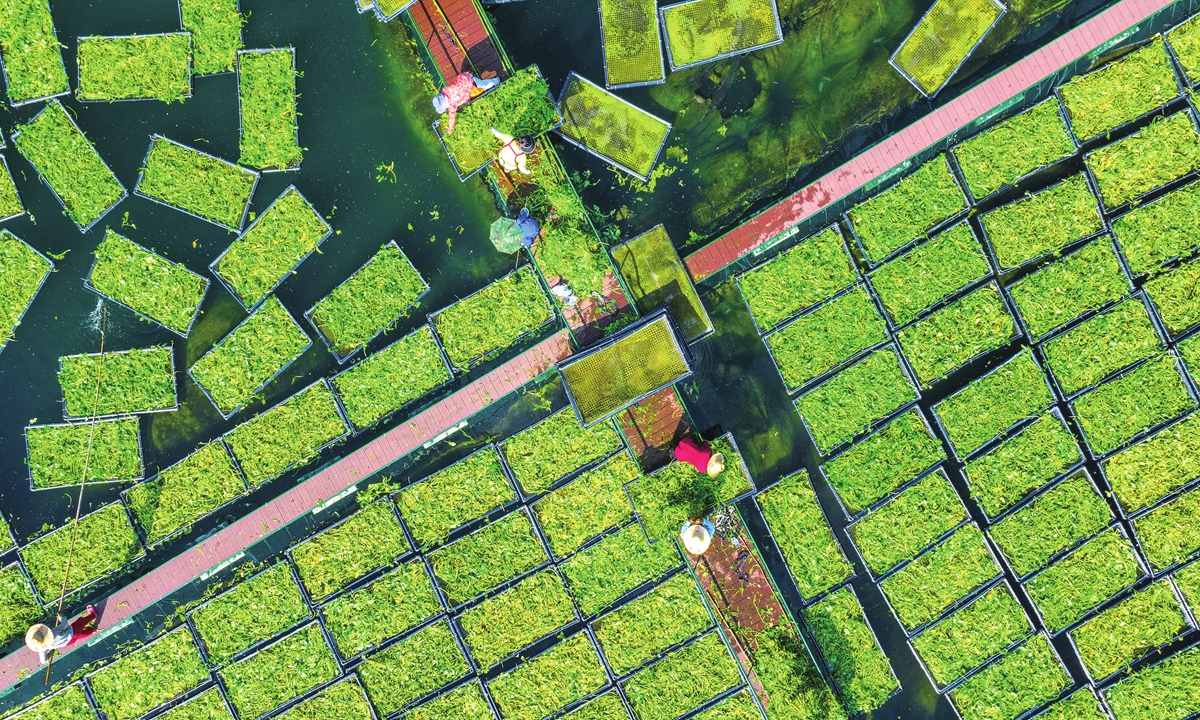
459, 92
700, 456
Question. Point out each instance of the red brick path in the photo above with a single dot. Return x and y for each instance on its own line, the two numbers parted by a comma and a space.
925, 132
440, 20
372, 457
654, 427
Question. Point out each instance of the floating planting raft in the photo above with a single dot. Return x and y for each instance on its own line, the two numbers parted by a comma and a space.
804, 537
552, 449
10, 201
271, 248
149, 677
216, 28
391, 378
465, 491
104, 542
270, 136
631, 43
859, 668
943, 40
197, 183
118, 383
521, 105
388, 10
820, 341
655, 276
108, 450
135, 67
152, 286
699, 31
624, 369
493, 319
611, 128
1120, 92
178, 496
1010, 151
69, 165
797, 279
25, 271
33, 66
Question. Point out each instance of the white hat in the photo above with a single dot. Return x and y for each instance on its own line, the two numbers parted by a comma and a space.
696, 539
38, 638
716, 465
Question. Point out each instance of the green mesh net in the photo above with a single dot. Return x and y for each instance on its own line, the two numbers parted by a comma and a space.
632, 47
611, 128
655, 276
941, 42
703, 30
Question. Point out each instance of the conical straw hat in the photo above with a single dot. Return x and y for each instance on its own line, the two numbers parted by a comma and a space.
696, 539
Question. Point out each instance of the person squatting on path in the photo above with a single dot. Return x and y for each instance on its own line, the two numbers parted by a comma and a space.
459, 92
512, 155
700, 456
44, 640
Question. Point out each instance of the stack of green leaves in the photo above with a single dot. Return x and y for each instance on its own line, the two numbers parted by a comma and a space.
587, 506
135, 67
1163, 151
24, 271
368, 540
1014, 148
492, 319
797, 278
510, 621
1073, 586
1037, 454
994, 403
1140, 624
103, 542
929, 273
466, 490
185, 492
640, 630
1101, 345
814, 344
1121, 91
496, 553
541, 686
1175, 297
33, 65
389, 379
389, 606
956, 334
414, 667
907, 210
1167, 533
1025, 678
254, 610
197, 183
604, 572
18, 607
803, 534
1144, 473
676, 493
267, 103
149, 284
873, 468
913, 520
1165, 691
131, 381
1058, 293
1157, 232
1057, 520
1042, 223
925, 588
966, 639
683, 681
65, 455
280, 672
344, 701
216, 28
1120, 409
859, 667
521, 105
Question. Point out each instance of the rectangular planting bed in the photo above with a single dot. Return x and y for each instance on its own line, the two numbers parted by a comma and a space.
135, 67
235, 621
814, 344
800, 529
655, 276
149, 676
19, 607
182, 494
700, 31
1079, 283
464, 491
1105, 344
1167, 534
10, 201
208, 705
392, 378
69, 165
632, 45
494, 554
70, 703
392, 605
104, 543
641, 630
33, 64
253, 354
199, 184
1056, 521
1163, 463
118, 383
543, 685
1120, 92
1158, 232
514, 619
610, 127
485, 323
907, 211
291, 434
1141, 399
25, 271
861, 671
1147, 621
797, 279
600, 575
364, 542
270, 136
346, 701
943, 40
904, 526
1014, 149
683, 681
929, 274
955, 335
1174, 298
543, 454
418, 665
1163, 691
149, 284
1042, 223
1165, 150
465, 701
280, 672
216, 28
83, 453
591, 504
1072, 587
368, 303
271, 248
1024, 462
1025, 678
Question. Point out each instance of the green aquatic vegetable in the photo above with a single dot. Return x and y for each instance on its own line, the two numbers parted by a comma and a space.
966, 639
1062, 291
267, 104
493, 319
703, 30
288, 435
873, 468
858, 665
673, 495
282, 671
683, 680
1043, 222
1080, 705
1102, 345
1010, 150
369, 302
601, 574
606, 707
104, 542
24, 272
588, 505
466, 490
954, 335
814, 344
140, 380
925, 588
521, 105
1142, 474
1164, 150
908, 210
185, 492
1149, 619
135, 67
549, 682
1155, 233
1167, 533
855, 399
1025, 678
797, 278
805, 539
1065, 514
506, 623
1165, 691
18, 607
541, 455
943, 40
412, 668
344, 701
785, 668
208, 705
149, 676
1120, 409
70, 703
1185, 41
612, 127
391, 378
254, 610
33, 62
913, 520
389, 606
1121, 91
369, 539
631, 42
263, 256
65, 455
250, 357
69, 164
640, 630
165, 292
465, 702
1187, 579
569, 249
197, 183
470, 566
739, 707
10, 201
1175, 296
216, 27
1021, 464
994, 403
1090, 575
929, 273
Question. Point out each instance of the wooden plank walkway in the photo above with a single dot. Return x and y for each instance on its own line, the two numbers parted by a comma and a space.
367, 460
922, 134
457, 38
654, 427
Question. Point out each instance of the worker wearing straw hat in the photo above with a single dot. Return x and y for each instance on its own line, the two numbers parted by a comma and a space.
696, 535
700, 456
44, 640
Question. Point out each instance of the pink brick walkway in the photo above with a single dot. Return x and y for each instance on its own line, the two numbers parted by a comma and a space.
927, 131
372, 457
